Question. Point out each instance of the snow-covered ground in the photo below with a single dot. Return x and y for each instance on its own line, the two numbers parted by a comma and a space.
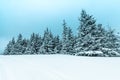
59, 67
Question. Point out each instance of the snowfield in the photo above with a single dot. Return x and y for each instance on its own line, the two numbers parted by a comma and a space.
59, 67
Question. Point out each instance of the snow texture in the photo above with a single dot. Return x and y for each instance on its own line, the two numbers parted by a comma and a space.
90, 53
58, 67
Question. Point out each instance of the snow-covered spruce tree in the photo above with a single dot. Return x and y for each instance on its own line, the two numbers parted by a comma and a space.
118, 43
70, 41
10, 48
38, 43
111, 45
57, 44
111, 39
18, 47
91, 37
24, 45
48, 43
51, 43
64, 38
99, 38
64, 34
67, 40
34, 44
28, 48
86, 32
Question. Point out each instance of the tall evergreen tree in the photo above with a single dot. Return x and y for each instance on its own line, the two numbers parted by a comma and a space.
18, 47
67, 39
38, 43
32, 43
64, 38
64, 34
28, 48
86, 32
24, 45
57, 44
48, 43
100, 37
111, 39
10, 47
70, 41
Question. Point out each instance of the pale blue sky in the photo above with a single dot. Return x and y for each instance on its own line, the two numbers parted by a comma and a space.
27, 16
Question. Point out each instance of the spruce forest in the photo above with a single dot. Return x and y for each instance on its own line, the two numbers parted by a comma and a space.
92, 40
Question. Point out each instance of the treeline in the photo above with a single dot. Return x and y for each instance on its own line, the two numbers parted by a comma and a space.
92, 40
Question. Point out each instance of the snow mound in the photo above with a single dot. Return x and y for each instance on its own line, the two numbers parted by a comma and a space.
110, 52
104, 52
90, 53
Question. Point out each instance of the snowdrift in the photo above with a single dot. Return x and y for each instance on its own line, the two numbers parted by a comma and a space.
104, 52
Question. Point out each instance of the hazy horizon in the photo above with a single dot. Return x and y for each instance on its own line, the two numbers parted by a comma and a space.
28, 16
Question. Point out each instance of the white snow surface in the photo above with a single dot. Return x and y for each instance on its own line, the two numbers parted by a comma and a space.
59, 67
